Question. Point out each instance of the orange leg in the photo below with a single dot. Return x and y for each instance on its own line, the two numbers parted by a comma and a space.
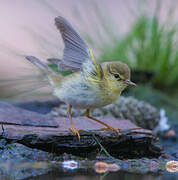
108, 127
73, 129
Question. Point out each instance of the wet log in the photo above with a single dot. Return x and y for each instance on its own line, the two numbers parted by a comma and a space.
53, 135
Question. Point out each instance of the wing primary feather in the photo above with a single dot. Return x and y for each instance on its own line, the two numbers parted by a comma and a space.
76, 50
76, 55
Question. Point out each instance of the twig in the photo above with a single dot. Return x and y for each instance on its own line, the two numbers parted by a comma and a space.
104, 175
101, 146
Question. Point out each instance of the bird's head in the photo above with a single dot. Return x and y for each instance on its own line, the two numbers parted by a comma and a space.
117, 75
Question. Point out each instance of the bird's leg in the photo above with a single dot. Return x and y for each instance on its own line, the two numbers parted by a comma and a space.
108, 127
73, 129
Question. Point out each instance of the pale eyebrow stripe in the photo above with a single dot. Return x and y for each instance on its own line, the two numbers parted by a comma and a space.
120, 76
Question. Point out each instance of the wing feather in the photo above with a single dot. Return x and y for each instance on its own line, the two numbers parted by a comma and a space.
76, 55
76, 50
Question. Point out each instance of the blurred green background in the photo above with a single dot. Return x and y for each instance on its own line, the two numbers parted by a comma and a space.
142, 34
149, 47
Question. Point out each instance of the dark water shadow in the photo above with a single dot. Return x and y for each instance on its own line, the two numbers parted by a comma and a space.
88, 175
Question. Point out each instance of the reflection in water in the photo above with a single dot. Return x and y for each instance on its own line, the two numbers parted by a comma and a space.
172, 166
91, 175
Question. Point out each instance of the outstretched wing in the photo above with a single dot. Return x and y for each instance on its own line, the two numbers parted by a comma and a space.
77, 56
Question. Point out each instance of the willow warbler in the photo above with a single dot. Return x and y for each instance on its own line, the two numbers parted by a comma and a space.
91, 85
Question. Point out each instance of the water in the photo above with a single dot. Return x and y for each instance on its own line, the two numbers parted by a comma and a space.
91, 175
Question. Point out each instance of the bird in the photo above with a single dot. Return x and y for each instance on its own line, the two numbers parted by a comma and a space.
91, 84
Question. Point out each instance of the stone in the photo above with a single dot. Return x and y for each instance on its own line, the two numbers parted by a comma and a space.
19, 162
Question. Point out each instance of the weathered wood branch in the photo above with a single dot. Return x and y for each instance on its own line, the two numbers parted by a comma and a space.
131, 142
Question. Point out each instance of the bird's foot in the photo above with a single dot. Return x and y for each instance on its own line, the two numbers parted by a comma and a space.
76, 132
112, 129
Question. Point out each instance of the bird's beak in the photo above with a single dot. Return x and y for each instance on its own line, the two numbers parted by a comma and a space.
129, 82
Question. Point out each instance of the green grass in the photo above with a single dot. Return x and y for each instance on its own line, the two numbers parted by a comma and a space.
148, 46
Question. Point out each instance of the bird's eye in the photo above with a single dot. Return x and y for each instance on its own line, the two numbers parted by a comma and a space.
116, 76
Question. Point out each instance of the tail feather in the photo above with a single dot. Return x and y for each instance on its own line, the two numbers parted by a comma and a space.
54, 78
39, 64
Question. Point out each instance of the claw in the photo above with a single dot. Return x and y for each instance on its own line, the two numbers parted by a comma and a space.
76, 132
